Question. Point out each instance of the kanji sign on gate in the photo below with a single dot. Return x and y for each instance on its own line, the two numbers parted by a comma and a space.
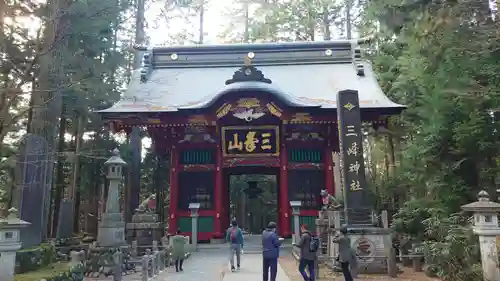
250, 141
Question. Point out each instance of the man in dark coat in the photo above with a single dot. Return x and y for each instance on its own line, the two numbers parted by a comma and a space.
307, 257
270, 252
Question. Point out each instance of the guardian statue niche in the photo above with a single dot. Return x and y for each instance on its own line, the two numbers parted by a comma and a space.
329, 201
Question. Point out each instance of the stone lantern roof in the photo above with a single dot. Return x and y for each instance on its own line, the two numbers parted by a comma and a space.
115, 159
483, 204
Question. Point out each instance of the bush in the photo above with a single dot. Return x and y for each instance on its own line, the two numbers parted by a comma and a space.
453, 252
34, 258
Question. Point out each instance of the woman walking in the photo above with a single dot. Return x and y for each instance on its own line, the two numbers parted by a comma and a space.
179, 250
347, 256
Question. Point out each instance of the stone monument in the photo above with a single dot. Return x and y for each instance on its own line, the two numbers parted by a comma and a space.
10, 242
369, 240
112, 227
35, 180
486, 227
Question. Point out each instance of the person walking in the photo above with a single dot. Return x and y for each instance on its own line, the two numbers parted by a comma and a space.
347, 256
179, 250
234, 236
270, 252
308, 246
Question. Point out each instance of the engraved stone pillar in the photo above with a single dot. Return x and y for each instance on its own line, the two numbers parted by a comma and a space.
112, 227
486, 227
194, 207
296, 220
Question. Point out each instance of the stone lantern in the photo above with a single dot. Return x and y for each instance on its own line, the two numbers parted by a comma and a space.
112, 227
296, 219
194, 207
486, 227
10, 242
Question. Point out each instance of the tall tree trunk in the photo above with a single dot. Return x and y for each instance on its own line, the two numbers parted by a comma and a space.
348, 27
246, 34
59, 186
75, 191
327, 34
201, 22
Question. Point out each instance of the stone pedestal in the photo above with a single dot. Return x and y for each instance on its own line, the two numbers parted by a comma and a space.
9, 243
486, 227
144, 229
372, 245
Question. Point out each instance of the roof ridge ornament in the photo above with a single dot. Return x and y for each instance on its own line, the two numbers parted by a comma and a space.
146, 67
358, 63
248, 73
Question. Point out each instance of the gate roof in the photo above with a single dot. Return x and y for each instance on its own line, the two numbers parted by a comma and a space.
303, 74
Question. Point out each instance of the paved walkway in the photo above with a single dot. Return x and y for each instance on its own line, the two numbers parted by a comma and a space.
251, 270
201, 266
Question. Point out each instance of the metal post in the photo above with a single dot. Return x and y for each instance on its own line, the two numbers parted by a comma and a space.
154, 264
117, 271
134, 249
144, 270
162, 260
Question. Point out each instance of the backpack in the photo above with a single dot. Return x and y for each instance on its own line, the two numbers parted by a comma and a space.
314, 243
234, 235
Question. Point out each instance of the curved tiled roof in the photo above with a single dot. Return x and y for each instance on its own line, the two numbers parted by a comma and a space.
303, 75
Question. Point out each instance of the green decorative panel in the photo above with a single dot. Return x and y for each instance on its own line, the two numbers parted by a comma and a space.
309, 220
305, 155
197, 157
205, 224
184, 224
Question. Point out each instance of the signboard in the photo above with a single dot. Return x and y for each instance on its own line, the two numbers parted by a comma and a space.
351, 147
250, 141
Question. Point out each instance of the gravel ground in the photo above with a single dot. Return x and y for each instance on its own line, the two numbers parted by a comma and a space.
289, 265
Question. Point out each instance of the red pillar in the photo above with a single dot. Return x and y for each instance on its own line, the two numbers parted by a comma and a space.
174, 191
329, 182
218, 200
284, 204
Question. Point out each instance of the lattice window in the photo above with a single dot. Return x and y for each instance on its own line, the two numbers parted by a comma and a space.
196, 187
197, 156
305, 186
305, 155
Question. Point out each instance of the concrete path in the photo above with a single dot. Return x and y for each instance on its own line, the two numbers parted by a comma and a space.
251, 270
201, 266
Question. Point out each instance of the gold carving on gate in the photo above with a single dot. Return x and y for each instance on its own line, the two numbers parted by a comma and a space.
301, 118
250, 141
223, 110
248, 103
197, 119
274, 110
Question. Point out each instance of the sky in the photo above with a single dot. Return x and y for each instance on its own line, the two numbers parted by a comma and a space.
213, 23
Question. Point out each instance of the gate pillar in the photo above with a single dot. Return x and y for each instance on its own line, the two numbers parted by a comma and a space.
284, 207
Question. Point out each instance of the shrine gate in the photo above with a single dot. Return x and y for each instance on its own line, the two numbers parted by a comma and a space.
213, 111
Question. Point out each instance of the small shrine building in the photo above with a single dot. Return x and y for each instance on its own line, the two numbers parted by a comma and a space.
216, 111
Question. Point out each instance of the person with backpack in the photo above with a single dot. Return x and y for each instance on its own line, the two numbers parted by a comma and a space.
347, 256
179, 243
234, 236
308, 246
270, 252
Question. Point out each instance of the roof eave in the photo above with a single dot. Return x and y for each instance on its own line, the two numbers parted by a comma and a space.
250, 86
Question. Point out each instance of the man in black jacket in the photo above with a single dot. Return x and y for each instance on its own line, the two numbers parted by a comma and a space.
307, 257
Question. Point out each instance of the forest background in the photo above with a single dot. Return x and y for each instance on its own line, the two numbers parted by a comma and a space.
440, 58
